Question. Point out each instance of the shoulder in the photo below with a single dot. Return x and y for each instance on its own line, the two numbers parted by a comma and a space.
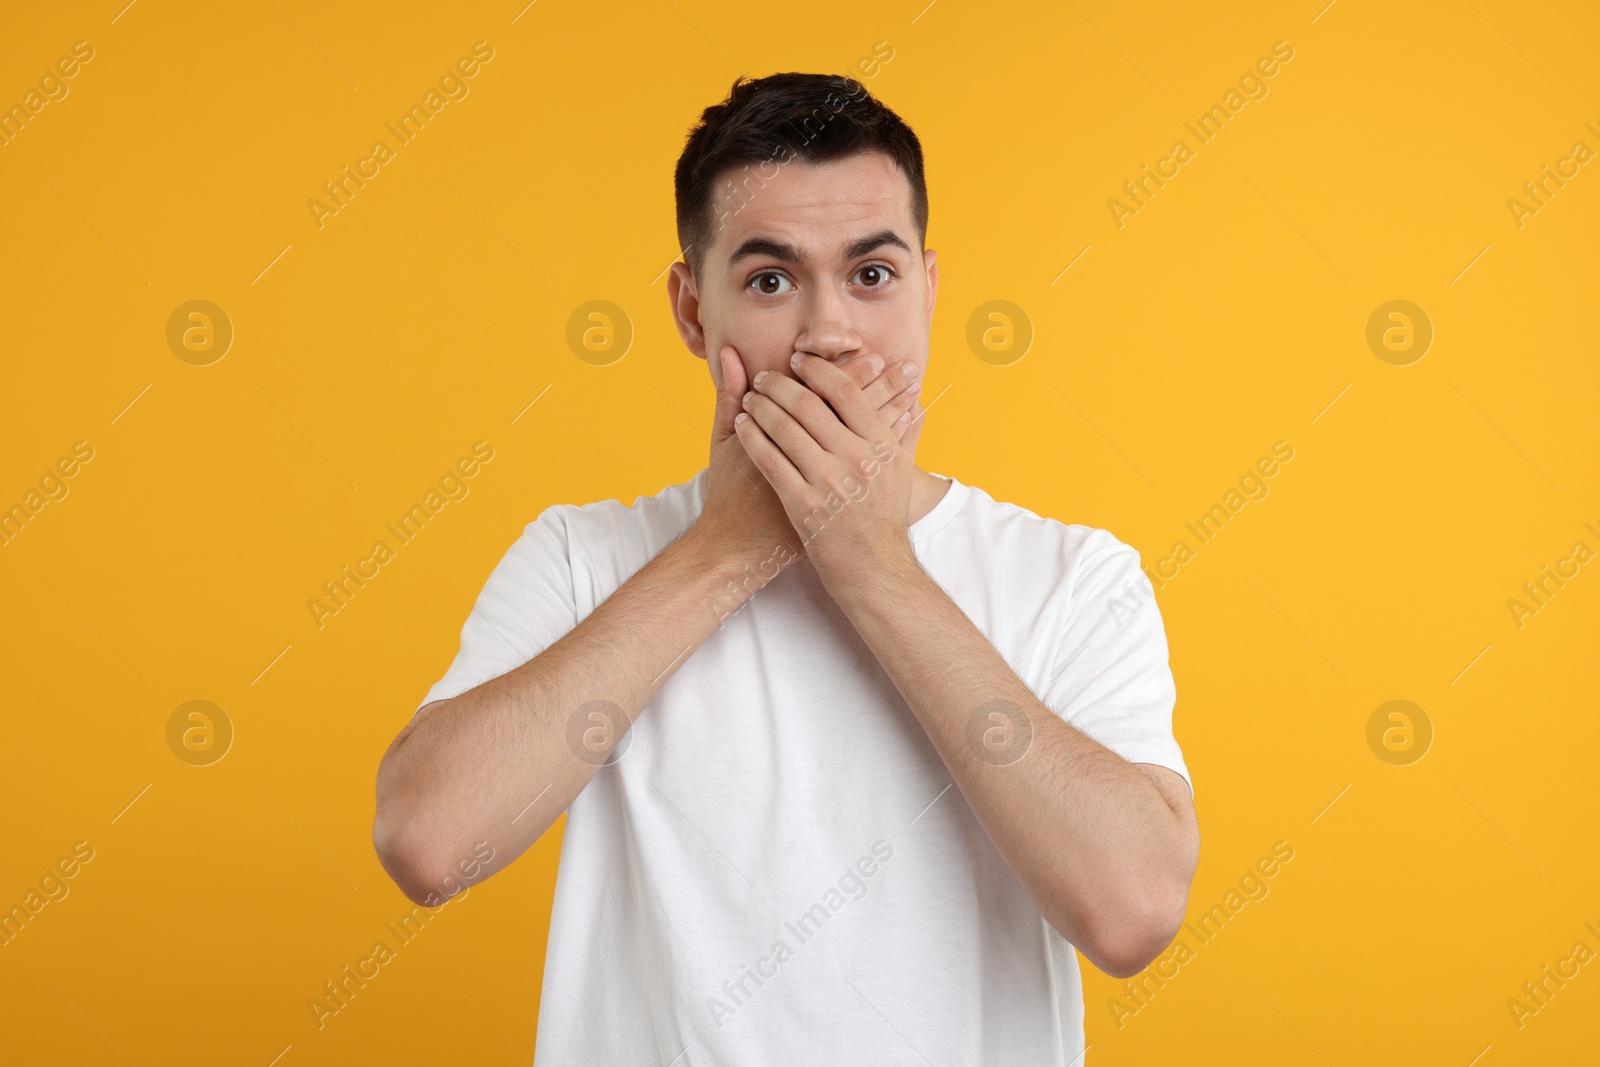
647, 525
1059, 555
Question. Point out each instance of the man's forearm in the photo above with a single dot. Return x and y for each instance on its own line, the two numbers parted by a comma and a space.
501, 761
1086, 832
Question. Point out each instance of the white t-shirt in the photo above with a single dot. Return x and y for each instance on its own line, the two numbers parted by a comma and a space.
778, 869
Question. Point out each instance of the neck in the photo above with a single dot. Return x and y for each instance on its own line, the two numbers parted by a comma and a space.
926, 492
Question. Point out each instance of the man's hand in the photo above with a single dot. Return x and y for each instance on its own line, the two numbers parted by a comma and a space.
840, 468
742, 514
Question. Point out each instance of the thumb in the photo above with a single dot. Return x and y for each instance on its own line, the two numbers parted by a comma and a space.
730, 398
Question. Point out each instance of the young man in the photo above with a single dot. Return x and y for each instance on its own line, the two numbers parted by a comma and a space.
753, 692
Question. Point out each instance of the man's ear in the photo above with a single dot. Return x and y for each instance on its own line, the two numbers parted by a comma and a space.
685, 301
929, 263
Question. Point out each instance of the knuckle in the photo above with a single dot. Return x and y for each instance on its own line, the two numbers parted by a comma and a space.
808, 405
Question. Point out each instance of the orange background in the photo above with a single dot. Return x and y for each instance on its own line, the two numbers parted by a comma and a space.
1228, 313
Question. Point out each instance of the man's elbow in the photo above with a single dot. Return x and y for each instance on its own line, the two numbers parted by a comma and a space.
405, 860
409, 853
1134, 943
403, 849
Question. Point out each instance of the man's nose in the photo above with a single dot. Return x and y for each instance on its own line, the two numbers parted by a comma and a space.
829, 331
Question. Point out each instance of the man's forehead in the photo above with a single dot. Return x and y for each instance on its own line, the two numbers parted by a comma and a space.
809, 212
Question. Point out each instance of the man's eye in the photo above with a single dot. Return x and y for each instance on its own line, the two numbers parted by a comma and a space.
766, 283
876, 275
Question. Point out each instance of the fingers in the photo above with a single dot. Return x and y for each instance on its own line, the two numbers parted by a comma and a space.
880, 385
911, 429
901, 410
890, 384
774, 463
798, 411
842, 395
863, 368
794, 419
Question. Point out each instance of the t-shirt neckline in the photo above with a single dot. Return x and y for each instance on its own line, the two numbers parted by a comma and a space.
942, 512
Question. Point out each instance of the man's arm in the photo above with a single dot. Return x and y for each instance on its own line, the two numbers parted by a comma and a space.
1105, 849
497, 764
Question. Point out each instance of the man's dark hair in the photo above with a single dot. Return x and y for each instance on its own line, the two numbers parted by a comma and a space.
776, 120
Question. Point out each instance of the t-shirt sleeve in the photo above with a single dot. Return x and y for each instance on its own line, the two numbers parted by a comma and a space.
1111, 678
525, 606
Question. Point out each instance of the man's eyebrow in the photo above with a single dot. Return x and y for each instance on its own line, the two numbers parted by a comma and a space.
788, 253
862, 245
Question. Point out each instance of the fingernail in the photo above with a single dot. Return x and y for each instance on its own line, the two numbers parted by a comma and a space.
876, 363
909, 369
760, 376
904, 415
746, 398
913, 389
794, 360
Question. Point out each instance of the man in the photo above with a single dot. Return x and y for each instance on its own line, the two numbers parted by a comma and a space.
852, 754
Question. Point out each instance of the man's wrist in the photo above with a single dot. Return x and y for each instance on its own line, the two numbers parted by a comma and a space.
730, 573
877, 581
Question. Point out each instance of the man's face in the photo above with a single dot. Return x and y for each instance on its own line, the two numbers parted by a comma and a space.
822, 258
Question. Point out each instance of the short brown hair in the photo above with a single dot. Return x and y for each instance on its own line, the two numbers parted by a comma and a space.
778, 119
